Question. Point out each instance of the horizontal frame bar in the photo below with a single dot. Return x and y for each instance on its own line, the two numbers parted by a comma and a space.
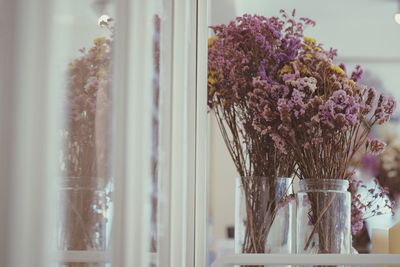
91, 256
83, 256
308, 259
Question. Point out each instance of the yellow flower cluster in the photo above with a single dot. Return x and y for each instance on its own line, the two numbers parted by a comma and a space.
286, 69
99, 41
211, 40
310, 40
308, 56
212, 79
338, 70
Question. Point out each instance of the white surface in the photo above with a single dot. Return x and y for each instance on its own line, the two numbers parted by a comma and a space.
202, 137
307, 259
183, 167
132, 132
28, 137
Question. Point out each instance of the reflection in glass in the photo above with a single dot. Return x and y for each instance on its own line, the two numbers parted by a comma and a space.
85, 161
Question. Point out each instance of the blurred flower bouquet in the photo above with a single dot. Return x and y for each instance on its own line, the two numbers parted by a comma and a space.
247, 48
85, 159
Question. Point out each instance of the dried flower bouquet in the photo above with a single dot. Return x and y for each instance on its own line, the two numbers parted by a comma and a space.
247, 48
321, 115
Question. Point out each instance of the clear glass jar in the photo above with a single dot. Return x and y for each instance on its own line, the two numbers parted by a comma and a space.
323, 216
85, 221
264, 215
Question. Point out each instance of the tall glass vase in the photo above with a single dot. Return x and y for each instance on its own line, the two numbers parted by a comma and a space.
84, 217
323, 216
264, 215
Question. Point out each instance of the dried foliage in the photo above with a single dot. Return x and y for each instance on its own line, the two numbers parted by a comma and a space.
247, 48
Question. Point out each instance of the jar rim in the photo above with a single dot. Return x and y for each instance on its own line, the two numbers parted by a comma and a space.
332, 184
277, 178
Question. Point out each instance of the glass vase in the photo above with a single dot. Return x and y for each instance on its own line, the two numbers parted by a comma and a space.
264, 215
323, 217
84, 221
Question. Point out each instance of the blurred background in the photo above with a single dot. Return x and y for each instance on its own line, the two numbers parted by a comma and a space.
365, 33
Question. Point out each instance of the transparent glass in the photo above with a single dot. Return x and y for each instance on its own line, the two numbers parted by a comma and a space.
264, 215
85, 219
323, 216
81, 60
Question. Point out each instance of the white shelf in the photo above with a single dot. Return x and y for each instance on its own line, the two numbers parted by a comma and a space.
308, 259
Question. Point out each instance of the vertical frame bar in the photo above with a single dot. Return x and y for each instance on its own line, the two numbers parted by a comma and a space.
163, 249
32, 120
132, 132
183, 167
202, 138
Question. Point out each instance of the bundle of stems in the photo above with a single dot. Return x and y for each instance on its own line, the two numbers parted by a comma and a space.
259, 165
248, 48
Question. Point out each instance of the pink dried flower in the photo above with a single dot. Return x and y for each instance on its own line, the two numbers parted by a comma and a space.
286, 199
376, 146
280, 144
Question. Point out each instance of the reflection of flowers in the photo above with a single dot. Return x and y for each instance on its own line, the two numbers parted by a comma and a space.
89, 104
86, 153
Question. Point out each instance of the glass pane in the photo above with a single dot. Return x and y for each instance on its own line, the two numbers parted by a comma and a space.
81, 68
82, 59
161, 92
364, 33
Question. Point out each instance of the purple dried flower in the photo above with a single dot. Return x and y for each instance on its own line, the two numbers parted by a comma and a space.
385, 109
251, 46
340, 111
357, 220
357, 73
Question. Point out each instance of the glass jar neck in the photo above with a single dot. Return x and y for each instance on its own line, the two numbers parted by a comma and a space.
324, 184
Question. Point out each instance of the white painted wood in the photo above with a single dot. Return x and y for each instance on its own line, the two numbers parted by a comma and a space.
165, 131
183, 137
132, 132
29, 147
202, 152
